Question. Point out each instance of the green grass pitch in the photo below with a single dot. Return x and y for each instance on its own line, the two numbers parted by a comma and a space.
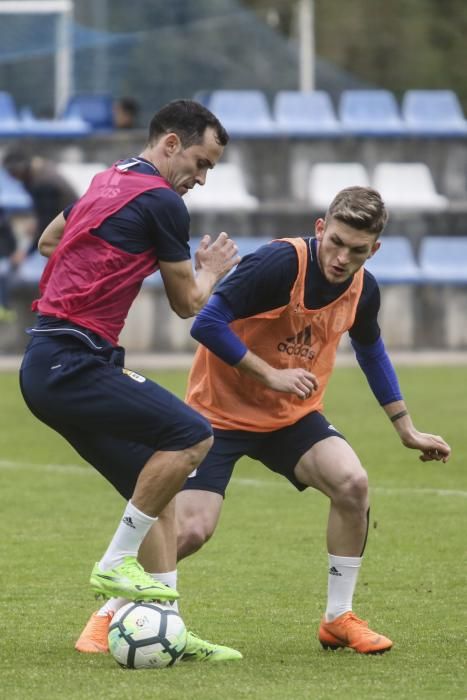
260, 584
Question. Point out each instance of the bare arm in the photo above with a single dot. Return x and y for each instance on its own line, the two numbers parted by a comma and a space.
187, 291
432, 447
298, 380
51, 236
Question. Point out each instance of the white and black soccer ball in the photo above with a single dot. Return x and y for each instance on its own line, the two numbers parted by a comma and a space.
147, 635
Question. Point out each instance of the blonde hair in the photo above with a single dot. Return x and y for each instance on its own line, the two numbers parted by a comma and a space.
359, 207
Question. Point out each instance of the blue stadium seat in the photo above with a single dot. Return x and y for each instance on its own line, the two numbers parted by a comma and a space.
433, 112
305, 113
370, 113
203, 97
94, 109
394, 262
13, 196
9, 122
243, 112
52, 128
443, 260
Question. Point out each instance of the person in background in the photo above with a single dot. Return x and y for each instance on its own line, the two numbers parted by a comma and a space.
126, 112
49, 191
8, 247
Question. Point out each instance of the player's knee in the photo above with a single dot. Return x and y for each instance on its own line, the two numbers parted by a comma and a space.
353, 491
195, 454
192, 535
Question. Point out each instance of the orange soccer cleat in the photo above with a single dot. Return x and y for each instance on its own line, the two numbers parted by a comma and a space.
348, 630
93, 639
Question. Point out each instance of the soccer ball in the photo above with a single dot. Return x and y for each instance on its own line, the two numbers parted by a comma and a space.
147, 635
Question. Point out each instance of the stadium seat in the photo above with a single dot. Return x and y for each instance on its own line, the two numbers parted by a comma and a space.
408, 186
9, 122
52, 128
203, 97
443, 259
13, 196
79, 175
433, 112
370, 112
225, 189
394, 262
243, 112
94, 109
326, 179
305, 113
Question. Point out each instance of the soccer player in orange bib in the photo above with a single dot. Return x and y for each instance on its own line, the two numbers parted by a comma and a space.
269, 337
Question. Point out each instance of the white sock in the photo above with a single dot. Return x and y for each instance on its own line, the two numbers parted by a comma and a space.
342, 579
111, 606
170, 579
128, 537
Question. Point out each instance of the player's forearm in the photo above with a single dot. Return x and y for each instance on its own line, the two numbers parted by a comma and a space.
204, 283
399, 416
51, 236
211, 329
256, 367
379, 371
190, 294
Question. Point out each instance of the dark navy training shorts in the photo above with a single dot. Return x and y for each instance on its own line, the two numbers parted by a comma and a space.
113, 417
279, 450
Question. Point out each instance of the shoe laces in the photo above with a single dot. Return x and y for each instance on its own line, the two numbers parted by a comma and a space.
130, 565
133, 570
351, 619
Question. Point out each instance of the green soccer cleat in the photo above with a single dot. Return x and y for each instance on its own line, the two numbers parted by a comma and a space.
129, 580
200, 650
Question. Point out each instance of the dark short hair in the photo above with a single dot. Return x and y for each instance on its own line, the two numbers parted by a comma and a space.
189, 120
130, 105
16, 156
359, 207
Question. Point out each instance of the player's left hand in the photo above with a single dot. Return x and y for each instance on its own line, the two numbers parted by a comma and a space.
432, 447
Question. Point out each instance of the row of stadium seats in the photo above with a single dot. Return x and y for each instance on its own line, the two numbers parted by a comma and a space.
247, 113
360, 112
440, 260
405, 186
82, 115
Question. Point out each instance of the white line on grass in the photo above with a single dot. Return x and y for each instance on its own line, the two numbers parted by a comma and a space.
387, 491
256, 483
55, 468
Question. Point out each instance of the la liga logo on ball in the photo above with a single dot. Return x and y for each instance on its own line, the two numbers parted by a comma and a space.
147, 635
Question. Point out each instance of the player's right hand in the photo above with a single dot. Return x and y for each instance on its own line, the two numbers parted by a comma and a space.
298, 381
217, 257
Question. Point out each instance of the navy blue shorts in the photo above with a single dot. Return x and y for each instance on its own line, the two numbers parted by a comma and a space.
114, 418
279, 451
